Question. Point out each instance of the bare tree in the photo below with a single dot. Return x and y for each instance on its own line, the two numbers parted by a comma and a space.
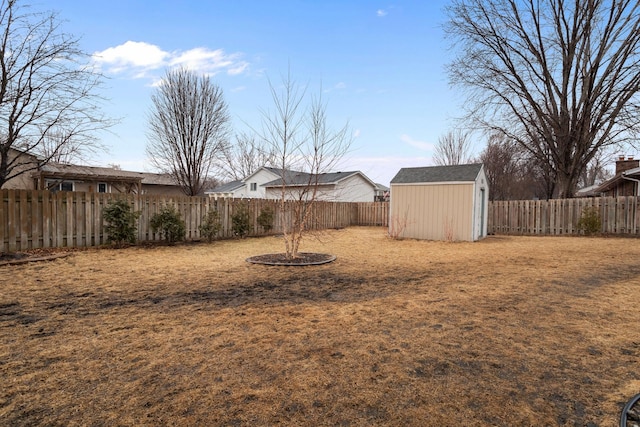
188, 128
453, 148
48, 92
559, 77
305, 147
596, 171
243, 158
61, 147
502, 160
512, 172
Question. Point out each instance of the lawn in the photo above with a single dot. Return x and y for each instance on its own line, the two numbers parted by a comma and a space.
526, 331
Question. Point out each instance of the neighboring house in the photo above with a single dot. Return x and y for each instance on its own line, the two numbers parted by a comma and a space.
23, 163
266, 183
63, 177
382, 193
440, 203
589, 191
351, 186
626, 181
254, 183
250, 187
230, 189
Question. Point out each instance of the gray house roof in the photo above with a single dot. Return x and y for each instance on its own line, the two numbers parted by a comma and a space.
617, 179
226, 188
293, 178
66, 171
454, 173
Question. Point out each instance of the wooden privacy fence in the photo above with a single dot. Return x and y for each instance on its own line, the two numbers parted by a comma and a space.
32, 219
618, 215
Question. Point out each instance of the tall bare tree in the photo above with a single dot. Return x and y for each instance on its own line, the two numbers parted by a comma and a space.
188, 128
502, 159
305, 146
559, 77
49, 93
596, 171
243, 158
453, 148
61, 147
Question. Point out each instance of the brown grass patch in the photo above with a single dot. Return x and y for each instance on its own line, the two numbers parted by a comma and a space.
507, 331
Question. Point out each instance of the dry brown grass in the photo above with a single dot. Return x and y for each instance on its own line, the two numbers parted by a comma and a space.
508, 331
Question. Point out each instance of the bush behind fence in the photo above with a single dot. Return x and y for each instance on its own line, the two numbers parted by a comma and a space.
31, 219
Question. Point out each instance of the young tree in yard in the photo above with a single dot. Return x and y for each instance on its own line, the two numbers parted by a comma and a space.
453, 148
302, 140
558, 77
48, 92
188, 128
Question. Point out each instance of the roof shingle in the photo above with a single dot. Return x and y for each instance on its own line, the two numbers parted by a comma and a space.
453, 173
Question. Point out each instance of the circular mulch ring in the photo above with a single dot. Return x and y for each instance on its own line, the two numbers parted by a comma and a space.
630, 416
303, 258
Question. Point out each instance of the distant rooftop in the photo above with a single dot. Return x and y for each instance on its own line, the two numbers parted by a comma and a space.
66, 171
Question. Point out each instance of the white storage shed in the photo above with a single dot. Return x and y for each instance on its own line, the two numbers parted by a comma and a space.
440, 203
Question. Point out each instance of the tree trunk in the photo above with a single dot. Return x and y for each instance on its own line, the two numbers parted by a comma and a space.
565, 186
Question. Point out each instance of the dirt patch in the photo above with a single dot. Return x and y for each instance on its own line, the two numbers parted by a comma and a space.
508, 331
35, 255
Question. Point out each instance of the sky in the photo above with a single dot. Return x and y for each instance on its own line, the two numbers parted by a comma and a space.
380, 67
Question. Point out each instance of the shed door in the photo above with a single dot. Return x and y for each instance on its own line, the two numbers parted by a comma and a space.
482, 208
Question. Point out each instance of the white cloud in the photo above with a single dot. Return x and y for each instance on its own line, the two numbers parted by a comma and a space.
140, 60
131, 56
337, 86
356, 133
421, 145
381, 13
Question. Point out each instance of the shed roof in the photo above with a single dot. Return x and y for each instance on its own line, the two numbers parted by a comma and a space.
453, 173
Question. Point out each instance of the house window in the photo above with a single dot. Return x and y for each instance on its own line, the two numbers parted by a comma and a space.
55, 186
102, 187
254, 186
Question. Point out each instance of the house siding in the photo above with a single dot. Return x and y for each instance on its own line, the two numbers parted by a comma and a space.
323, 193
354, 189
262, 176
24, 180
624, 188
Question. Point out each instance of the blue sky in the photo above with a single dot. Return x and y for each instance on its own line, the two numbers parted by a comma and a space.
380, 66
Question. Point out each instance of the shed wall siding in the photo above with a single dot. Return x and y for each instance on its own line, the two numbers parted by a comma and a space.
434, 212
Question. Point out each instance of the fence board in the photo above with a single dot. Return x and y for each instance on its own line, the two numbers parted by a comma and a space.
619, 215
34, 219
